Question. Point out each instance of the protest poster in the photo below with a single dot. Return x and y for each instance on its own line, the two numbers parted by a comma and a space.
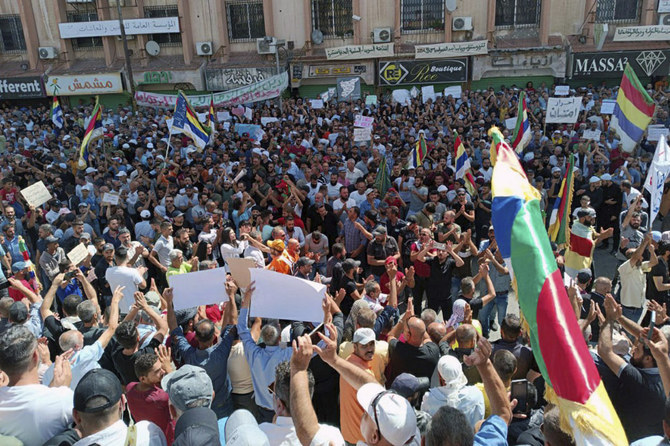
428, 92
362, 134
454, 91
656, 132
510, 123
607, 107
348, 88
591, 134
252, 130
239, 269
202, 117
36, 194
78, 254
317, 104
223, 116
401, 96
110, 198
562, 90
199, 288
267, 120
280, 296
563, 110
371, 99
363, 121
248, 113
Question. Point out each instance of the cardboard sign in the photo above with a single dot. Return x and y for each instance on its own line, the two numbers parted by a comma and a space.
592, 134
36, 194
239, 269
362, 134
110, 198
78, 254
563, 110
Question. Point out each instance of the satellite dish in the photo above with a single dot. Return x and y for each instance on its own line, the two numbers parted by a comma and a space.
450, 5
317, 37
152, 48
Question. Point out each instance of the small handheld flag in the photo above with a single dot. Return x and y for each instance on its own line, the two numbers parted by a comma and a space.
94, 130
522, 130
419, 152
463, 169
57, 113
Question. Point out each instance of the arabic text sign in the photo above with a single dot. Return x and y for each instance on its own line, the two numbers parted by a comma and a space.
110, 198
360, 51
591, 134
218, 79
656, 132
209, 288
78, 254
362, 134
562, 90
363, 121
642, 33
267, 89
607, 107
453, 49
68, 85
162, 25
563, 110
36, 194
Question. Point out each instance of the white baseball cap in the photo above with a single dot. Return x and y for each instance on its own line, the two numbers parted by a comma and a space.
393, 414
364, 336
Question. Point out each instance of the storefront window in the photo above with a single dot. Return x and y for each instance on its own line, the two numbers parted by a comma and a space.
517, 13
618, 11
168, 39
333, 18
11, 31
422, 16
84, 14
245, 20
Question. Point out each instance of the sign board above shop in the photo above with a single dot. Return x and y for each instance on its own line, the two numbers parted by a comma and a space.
641, 33
70, 85
99, 28
360, 51
646, 63
451, 49
21, 87
519, 63
221, 79
404, 72
364, 69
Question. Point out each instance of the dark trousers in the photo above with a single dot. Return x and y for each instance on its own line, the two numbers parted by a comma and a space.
245, 401
265, 415
441, 301
418, 291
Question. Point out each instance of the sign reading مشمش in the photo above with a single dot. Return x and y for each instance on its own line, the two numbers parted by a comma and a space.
69, 85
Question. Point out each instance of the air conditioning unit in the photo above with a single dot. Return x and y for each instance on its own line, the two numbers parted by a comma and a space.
664, 19
47, 52
382, 35
461, 24
266, 46
204, 48
128, 37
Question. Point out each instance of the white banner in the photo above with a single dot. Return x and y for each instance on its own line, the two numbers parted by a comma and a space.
267, 89
661, 156
563, 110
210, 285
360, 51
641, 33
162, 25
454, 91
68, 85
300, 299
363, 121
453, 49
659, 175
402, 96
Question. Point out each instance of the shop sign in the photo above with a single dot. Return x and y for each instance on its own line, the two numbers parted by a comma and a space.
101, 28
219, 79
21, 87
360, 51
452, 49
516, 63
405, 72
641, 33
68, 85
612, 64
192, 77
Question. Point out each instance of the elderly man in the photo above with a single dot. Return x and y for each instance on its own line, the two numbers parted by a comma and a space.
50, 259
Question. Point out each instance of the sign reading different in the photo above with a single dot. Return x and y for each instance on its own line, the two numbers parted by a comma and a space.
360, 51
423, 71
641, 33
646, 63
21, 87
162, 25
453, 49
68, 85
218, 79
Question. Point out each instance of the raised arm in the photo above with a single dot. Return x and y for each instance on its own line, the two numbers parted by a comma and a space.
45, 309
161, 324
106, 336
89, 291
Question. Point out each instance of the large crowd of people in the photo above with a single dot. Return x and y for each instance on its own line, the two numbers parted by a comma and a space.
419, 345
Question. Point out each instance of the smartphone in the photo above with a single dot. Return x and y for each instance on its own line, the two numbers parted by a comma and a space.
519, 391
314, 334
69, 275
440, 246
652, 324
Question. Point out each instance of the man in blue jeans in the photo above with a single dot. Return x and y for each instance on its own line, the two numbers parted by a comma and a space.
499, 275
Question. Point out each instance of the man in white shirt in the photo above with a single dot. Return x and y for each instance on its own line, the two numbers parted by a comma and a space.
252, 252
344, 202
633, 278
160, 255
361, 192
30, 411
122, 275
353, 173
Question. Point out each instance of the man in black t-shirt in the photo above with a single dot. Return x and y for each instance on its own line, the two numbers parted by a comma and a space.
658, 280
465, 211
438, 287
468, 290
348, 282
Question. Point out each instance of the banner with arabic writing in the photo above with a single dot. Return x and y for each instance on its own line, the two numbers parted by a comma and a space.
452, 49
360, 51
563, 110
69, 85
268, 89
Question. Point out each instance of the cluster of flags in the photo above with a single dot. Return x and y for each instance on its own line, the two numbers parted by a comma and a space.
186, 121
94, 130
57, 113
559, 219
463, 169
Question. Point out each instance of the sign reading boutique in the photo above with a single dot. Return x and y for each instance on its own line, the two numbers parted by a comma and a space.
646, 63
21, 87
403, 72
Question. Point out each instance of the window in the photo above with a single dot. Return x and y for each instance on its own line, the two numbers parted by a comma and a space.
617, 11
245, 20
11, 31
422, 15
169, 39
84, 16
333, 18
517, 13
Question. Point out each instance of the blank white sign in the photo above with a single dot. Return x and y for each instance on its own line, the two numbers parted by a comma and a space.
280, 296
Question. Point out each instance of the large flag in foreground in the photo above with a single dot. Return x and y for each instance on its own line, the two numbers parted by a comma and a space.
522, 130
573, 382
463, 169
94, 130
418, 154
633, 110
57, 113
186, 120
559, 221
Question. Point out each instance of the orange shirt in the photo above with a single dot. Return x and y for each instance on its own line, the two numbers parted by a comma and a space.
350, 411
284, 263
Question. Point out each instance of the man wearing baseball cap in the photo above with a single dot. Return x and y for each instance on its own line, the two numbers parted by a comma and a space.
388, 417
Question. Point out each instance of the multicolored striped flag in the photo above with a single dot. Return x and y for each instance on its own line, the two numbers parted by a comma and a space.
57, 113
573, 382
522, 130
211, 116
559, 221
382, 180
463, 169
186, 121
419, 152
94, 130
23, 249
579, 252
633, 110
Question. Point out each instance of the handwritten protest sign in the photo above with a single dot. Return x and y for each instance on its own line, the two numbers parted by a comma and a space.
110, 198
36, 194
454, 91
428, 92
223, 116
563, 110
300, 299
402, 96
363, 121
78, 254
592, 134
317, 104
371, 99
362, 134
210, 288
656, 132
562, 90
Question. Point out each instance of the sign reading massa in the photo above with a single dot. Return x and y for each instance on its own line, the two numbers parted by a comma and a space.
646, 63
403, 72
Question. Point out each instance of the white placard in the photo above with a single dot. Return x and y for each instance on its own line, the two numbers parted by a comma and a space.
248, 113
363, 121
319, 120
36, 194
362, 134
452, 49
455, 91
510, 123
199, 288
402, 96
317, 104
68, 85
428, 92
110, 198
563, 110
360, 51
223, 116
267, 120
591, 134
78, 254
656, 132
99, 28
280, 296
562, 90
641, 33
202, 117
607, 107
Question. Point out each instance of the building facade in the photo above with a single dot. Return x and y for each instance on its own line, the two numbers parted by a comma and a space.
73, 48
